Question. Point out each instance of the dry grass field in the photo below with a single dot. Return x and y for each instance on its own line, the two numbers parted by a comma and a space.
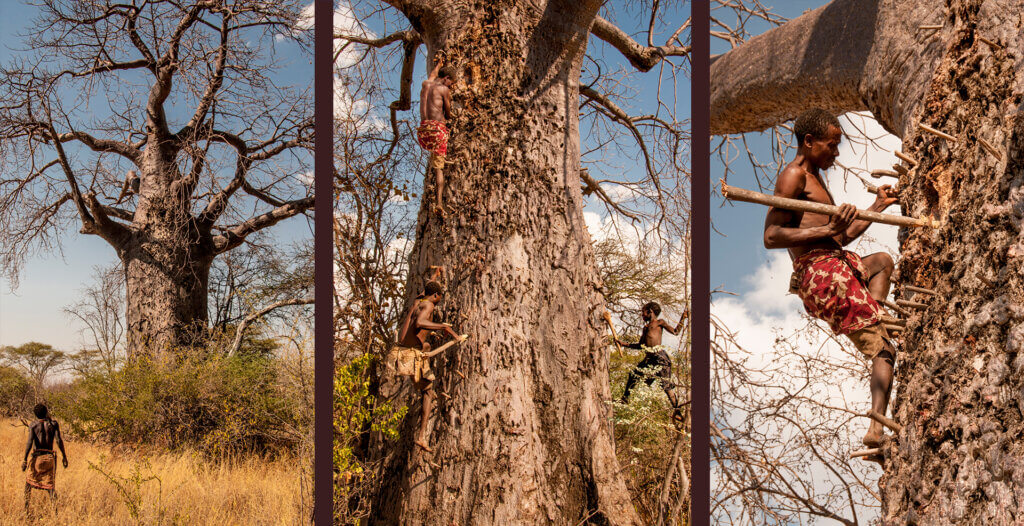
135, 488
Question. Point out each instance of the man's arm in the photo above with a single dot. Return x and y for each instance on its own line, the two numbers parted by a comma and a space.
432, 76
28, 449
778, 233
425, 320
675, 330
446, 103
60, 444
885, 197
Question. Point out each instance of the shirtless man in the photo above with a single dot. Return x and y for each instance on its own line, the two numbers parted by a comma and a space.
42, 471
835, 285
432, 134
650, 338
416, 327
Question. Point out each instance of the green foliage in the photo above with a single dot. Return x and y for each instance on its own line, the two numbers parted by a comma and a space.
14, 391
355, 412
33, 359
644, 430
216, 404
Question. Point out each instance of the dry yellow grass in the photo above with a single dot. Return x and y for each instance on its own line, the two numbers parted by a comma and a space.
191, 490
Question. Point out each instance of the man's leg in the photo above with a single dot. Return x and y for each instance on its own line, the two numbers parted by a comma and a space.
437, 163
28, 495
630, 382
879, 267
428, 405
873, 342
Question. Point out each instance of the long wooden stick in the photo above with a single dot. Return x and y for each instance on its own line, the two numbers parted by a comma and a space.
885, 421
740, 194
444, 347
895, 307
935, 132
922, 290
866, 452
884, 173
988, 148
910, 160
608, 319
911, 304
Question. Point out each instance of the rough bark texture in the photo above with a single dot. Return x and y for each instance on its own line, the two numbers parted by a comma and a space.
167, 260
959, 458
524, 437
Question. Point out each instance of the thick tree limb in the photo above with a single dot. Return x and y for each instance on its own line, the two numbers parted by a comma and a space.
641, 57
240, 331
235, 236
846, 56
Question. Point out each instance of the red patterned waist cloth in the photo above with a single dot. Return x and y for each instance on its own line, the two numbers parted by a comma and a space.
833, 288
433, 136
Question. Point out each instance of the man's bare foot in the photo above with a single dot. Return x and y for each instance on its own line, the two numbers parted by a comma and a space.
873, 438
423, 445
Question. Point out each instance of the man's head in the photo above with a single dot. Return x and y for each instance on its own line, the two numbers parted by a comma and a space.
446, 76
818, 134
433, 292
650, 310
40, 411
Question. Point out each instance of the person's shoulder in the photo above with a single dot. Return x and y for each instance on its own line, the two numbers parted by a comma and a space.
791, 180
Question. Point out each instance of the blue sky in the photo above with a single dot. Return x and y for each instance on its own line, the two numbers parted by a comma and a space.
49, 282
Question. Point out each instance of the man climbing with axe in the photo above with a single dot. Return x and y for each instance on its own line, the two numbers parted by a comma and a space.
411, 355
835, 285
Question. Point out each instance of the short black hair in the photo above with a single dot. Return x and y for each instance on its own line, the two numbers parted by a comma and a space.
433, 287
446, 72
814, 122
40, 410
653, 307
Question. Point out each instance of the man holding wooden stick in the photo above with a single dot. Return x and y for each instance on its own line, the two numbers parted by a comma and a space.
835, 285
411, 355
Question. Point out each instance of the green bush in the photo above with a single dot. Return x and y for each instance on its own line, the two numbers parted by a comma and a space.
216, 404
14, 391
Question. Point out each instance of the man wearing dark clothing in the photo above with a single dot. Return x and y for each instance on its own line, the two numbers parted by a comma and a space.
650, 339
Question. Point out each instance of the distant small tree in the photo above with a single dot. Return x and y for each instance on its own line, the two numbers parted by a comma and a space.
33, 359
14, 390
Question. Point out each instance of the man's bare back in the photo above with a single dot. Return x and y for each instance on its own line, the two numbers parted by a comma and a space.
435, 100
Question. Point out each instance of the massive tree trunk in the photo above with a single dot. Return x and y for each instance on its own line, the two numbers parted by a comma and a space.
167, 258
959, 458
521, 429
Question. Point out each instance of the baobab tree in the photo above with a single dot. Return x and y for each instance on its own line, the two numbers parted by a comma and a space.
162, 127
956, 68
521, 432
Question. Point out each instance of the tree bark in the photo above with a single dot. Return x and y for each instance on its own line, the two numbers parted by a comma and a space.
167, 259
521, 433
959, 458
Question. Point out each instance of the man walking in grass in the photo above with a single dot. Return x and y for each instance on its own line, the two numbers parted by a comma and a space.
42, 469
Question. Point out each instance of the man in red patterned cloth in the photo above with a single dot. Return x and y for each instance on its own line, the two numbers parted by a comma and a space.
835, 285
432, 134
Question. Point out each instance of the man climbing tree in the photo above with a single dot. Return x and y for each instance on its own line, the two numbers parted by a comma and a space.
654, 355
923, 67
526, 422
411, 356
835, 285
435, 110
